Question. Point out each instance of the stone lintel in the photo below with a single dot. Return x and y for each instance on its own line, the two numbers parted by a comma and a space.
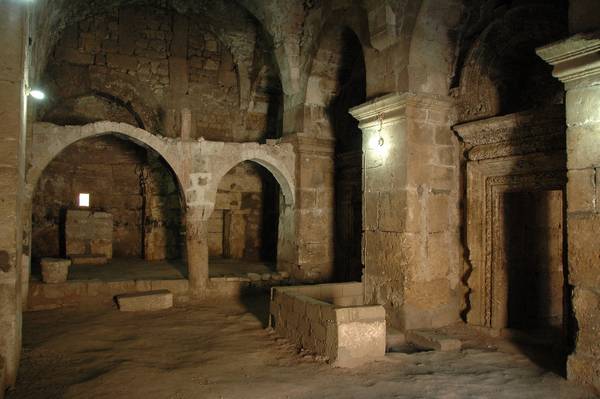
305, 143
517, 126
391, 108
574, 59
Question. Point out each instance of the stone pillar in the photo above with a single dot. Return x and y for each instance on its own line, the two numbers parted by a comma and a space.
13, 30
576, 63
197, 250
311, 256
410, 218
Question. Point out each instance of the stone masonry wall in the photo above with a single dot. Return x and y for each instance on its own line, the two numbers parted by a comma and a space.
109, 170
156, 63
237, 227
410, 238
13, 110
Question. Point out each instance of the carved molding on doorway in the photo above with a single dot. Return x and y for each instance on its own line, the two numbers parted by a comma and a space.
517, 152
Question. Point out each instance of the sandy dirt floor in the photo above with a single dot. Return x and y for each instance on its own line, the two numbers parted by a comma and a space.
223, 351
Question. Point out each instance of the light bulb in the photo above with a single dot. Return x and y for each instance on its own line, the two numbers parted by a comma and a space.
37, 94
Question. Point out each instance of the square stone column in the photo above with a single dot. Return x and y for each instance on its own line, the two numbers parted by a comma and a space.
410, 209
13, 33
576, 63
311, 256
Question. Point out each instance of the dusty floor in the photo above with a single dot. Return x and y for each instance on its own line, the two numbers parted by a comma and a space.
222, 351
124, 269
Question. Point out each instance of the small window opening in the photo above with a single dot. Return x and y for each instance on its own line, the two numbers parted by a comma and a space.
84, 200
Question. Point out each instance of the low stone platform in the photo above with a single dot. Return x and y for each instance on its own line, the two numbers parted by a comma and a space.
432, 339
145, 301
89, 259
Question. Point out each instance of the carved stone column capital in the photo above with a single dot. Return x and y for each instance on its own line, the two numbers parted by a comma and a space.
576, 60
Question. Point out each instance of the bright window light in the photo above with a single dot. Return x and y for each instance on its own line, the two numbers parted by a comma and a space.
84, 200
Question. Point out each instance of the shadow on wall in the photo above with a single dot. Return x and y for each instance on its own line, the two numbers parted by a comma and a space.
350, 92
532, 259
244, 224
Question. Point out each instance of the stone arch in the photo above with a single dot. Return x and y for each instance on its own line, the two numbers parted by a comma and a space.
50, 140
272, 165
501, 73
432, 46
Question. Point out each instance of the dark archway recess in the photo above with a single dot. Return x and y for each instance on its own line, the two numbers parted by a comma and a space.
351, 83
130, 182
243, 228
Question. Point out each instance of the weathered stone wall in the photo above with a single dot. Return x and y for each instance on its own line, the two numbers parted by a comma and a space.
410, 224
163, 224
13, 114
244, 222
573, 65
89, 233
152, 63
109, 169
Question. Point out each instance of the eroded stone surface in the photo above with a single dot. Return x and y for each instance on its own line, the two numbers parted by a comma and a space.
55, 270
145, 301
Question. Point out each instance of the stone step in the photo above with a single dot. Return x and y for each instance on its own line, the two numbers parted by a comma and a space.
88, 259
433, 339
145, 301
395, 340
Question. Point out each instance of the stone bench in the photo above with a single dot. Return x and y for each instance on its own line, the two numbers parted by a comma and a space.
145, 301
55, 270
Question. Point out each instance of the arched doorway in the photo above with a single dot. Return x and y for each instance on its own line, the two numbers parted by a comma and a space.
243, 227
114, 208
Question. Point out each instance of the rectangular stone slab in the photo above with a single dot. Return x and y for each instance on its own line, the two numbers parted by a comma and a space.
89, 259
145, 301
430, 339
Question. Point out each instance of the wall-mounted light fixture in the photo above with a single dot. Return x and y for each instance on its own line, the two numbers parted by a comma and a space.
377, 143
35, 93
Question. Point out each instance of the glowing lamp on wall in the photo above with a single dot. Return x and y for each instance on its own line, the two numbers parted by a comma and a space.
377, 143
36, 93
84, 200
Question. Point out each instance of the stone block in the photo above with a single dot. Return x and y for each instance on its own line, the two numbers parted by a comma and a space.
583, 147
102, 247
359, 343
431, 339
584, 370
583, 106
145, 301
584, 250
55, 270
254, 277
581, 190
438, 212
74, 56
88, 259
121, 61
